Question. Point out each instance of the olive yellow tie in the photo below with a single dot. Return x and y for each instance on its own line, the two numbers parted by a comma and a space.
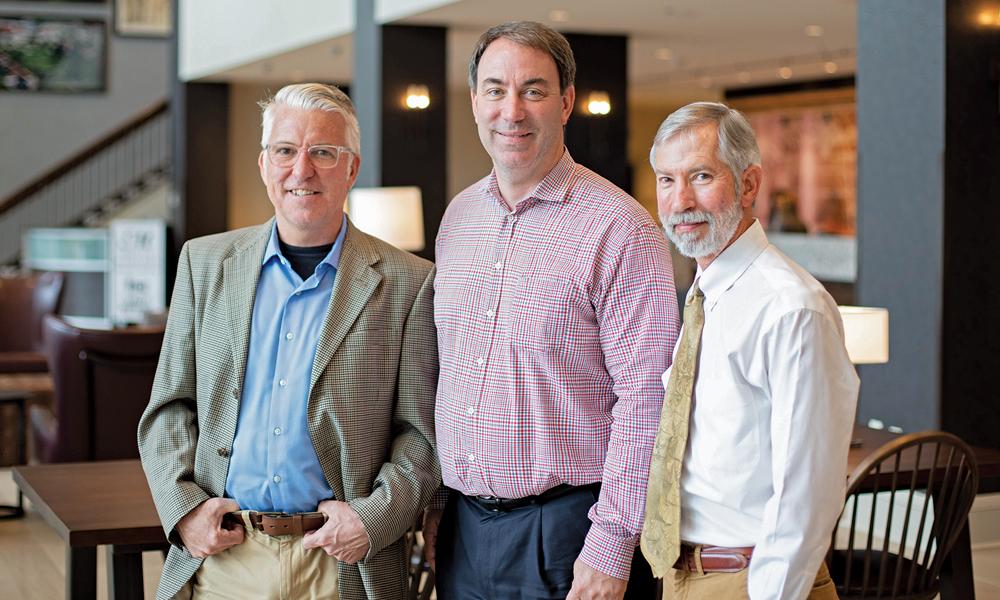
661, 531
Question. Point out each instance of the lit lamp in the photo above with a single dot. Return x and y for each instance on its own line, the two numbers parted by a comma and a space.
866, 334
392, 214
417, 97
598, 104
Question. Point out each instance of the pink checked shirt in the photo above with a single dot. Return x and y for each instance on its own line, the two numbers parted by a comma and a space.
555, 323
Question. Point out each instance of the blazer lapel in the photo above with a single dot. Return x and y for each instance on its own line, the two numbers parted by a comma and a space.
241, 272
355, 283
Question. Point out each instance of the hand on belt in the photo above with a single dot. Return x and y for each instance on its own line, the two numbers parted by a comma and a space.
276, 523
714, 559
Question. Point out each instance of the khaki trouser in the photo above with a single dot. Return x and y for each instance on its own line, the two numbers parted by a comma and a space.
683, 585
264, 566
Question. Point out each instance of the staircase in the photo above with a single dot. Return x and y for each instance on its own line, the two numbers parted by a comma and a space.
95, 182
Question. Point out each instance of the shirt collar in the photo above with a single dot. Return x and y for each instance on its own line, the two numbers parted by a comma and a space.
554, 187
728, 266
332, 258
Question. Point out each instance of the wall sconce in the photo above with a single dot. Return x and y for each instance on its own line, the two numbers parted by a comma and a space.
989, 17
598, 104
392, 214
866, 334
418, 97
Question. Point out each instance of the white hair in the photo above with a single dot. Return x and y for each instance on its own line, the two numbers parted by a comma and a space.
313, 96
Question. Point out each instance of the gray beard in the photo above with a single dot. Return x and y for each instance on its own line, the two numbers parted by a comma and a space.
721, 229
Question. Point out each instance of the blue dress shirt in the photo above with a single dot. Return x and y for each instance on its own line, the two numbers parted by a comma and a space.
274, 465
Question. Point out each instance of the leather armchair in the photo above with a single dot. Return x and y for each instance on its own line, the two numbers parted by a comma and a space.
102, 382
24, 301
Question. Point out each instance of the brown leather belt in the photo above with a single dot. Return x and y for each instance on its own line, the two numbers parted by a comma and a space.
714, 559
276, 523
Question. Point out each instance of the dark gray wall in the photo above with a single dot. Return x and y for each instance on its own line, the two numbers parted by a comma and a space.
900, 103
600, 143
41, 129
928, 183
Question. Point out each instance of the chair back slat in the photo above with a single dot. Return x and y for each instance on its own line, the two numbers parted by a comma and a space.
934, 468
900, 562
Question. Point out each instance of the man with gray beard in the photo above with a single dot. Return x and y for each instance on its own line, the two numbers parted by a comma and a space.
747, 475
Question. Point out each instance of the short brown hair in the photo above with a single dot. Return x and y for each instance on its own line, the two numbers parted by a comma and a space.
533, 35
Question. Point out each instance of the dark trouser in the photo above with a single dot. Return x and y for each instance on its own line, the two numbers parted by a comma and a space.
526, 553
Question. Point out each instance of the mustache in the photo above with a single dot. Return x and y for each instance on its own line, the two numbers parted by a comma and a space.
698, 216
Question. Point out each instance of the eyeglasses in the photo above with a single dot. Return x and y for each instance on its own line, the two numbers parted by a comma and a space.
321, 157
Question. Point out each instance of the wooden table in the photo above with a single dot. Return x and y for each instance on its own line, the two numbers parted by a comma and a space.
956, 574
91, 504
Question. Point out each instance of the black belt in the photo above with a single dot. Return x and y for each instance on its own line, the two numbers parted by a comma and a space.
494, 504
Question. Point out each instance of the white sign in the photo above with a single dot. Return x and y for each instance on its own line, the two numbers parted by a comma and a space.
138, 269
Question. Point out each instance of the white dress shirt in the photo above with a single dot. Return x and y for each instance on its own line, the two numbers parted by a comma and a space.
771, 417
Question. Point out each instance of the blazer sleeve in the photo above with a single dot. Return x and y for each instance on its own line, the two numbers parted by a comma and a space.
168, 429
406, 482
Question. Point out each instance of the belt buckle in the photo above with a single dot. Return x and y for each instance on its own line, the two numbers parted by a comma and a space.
493, 503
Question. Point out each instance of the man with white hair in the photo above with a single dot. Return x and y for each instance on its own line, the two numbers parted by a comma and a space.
747, 476
288, 441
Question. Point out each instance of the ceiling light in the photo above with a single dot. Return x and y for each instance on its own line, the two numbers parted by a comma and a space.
814, 30
785, 72
559, 16
664, 54
830, 67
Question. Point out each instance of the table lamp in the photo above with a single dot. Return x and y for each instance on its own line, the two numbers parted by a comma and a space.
392, 214
866, 334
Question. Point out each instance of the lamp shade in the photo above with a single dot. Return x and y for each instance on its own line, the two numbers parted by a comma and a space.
866, 334
392, 214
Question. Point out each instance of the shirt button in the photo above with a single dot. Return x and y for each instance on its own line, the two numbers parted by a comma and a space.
471, 410
489, 314
277, 431
276, 479
471, 457
282, 382
289, 335
498, 265
480, 361
512, 218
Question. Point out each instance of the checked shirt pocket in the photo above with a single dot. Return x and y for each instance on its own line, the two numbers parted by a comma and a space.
540, 313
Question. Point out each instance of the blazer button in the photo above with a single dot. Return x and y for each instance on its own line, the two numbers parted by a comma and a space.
236, 393
223, 452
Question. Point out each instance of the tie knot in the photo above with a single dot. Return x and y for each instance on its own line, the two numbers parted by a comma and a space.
696, 293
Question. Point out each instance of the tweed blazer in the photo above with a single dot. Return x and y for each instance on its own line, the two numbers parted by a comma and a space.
370, 406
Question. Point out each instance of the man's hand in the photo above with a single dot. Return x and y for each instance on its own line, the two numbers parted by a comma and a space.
432, 518
201, 529
589, 584
343, 536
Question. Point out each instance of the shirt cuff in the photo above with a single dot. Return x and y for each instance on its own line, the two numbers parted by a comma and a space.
607, 553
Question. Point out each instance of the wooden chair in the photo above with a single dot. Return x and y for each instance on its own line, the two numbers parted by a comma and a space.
920, 488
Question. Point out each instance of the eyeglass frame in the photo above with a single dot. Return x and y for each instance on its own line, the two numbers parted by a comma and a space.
340, 150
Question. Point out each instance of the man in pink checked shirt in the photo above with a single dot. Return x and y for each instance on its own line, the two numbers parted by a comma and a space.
556, 314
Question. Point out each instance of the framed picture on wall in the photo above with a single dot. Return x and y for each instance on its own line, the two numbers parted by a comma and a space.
52, 54
143, 18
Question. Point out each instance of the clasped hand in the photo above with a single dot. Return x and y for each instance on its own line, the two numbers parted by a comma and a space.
343, 536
